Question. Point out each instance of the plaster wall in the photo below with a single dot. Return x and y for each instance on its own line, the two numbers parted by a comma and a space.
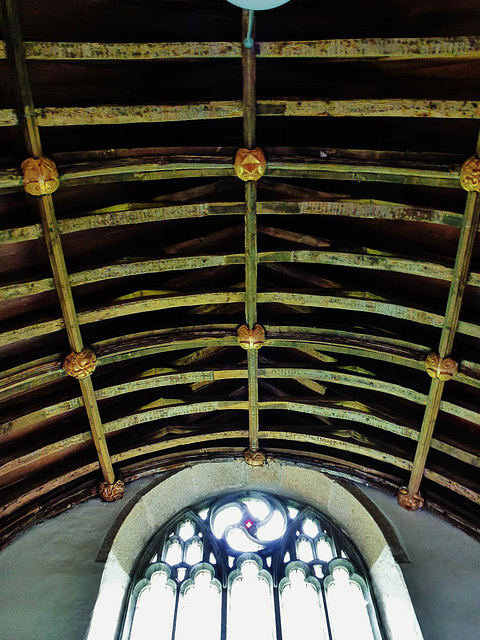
49, 576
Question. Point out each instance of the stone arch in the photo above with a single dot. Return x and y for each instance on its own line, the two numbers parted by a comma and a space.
305, 484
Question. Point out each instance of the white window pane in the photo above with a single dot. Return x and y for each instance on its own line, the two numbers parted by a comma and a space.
304, 550
186, 531
181, 571
257, 507
174, 553
324, 550
159, 596
347, 608
249, 524
200, 604
250, 595
310, 527
238, 540
229, 515
317, 568
301, 609
194, 552
273, 529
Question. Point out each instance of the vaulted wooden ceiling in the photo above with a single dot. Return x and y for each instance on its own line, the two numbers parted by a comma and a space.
357, 252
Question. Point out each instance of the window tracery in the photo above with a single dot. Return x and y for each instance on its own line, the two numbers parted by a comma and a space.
282, 564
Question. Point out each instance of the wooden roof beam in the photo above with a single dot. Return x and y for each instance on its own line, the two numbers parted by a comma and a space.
26, 508
11, 26
351, 49
178, 377
351, 301
249, 108
42, 488
387, 349
129, 268
217, 109
132, 215
410, 497
198, 166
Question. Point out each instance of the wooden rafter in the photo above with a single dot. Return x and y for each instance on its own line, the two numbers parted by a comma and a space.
175, 167
51, 232
215, 110
205, 439
340, 370
178, 377
384, 48
131, 267
354, 301
346, 207
451, 327
391, 350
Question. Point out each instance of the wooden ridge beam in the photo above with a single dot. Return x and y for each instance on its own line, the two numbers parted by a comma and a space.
451, 327
352, 48
249, 109
11, 26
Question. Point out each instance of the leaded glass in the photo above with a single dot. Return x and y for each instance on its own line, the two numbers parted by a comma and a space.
250, 564
200, 599
251, 591
301, 604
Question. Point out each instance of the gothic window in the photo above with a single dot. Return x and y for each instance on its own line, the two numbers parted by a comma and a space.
250, 565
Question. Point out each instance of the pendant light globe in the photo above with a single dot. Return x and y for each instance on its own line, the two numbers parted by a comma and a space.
258, 5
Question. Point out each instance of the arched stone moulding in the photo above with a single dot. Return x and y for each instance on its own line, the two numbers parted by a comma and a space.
307, 485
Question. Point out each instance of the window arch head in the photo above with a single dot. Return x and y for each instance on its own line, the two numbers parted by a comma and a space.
250, 564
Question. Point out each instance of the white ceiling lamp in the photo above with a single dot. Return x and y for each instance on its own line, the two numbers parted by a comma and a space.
255, 5
258, 5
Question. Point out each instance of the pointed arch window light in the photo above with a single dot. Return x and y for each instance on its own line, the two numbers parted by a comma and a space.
250, 565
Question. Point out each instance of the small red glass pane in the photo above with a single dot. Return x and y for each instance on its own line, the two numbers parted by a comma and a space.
248, 524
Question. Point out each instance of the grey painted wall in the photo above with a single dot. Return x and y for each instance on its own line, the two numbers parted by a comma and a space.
49, 577
443, 576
